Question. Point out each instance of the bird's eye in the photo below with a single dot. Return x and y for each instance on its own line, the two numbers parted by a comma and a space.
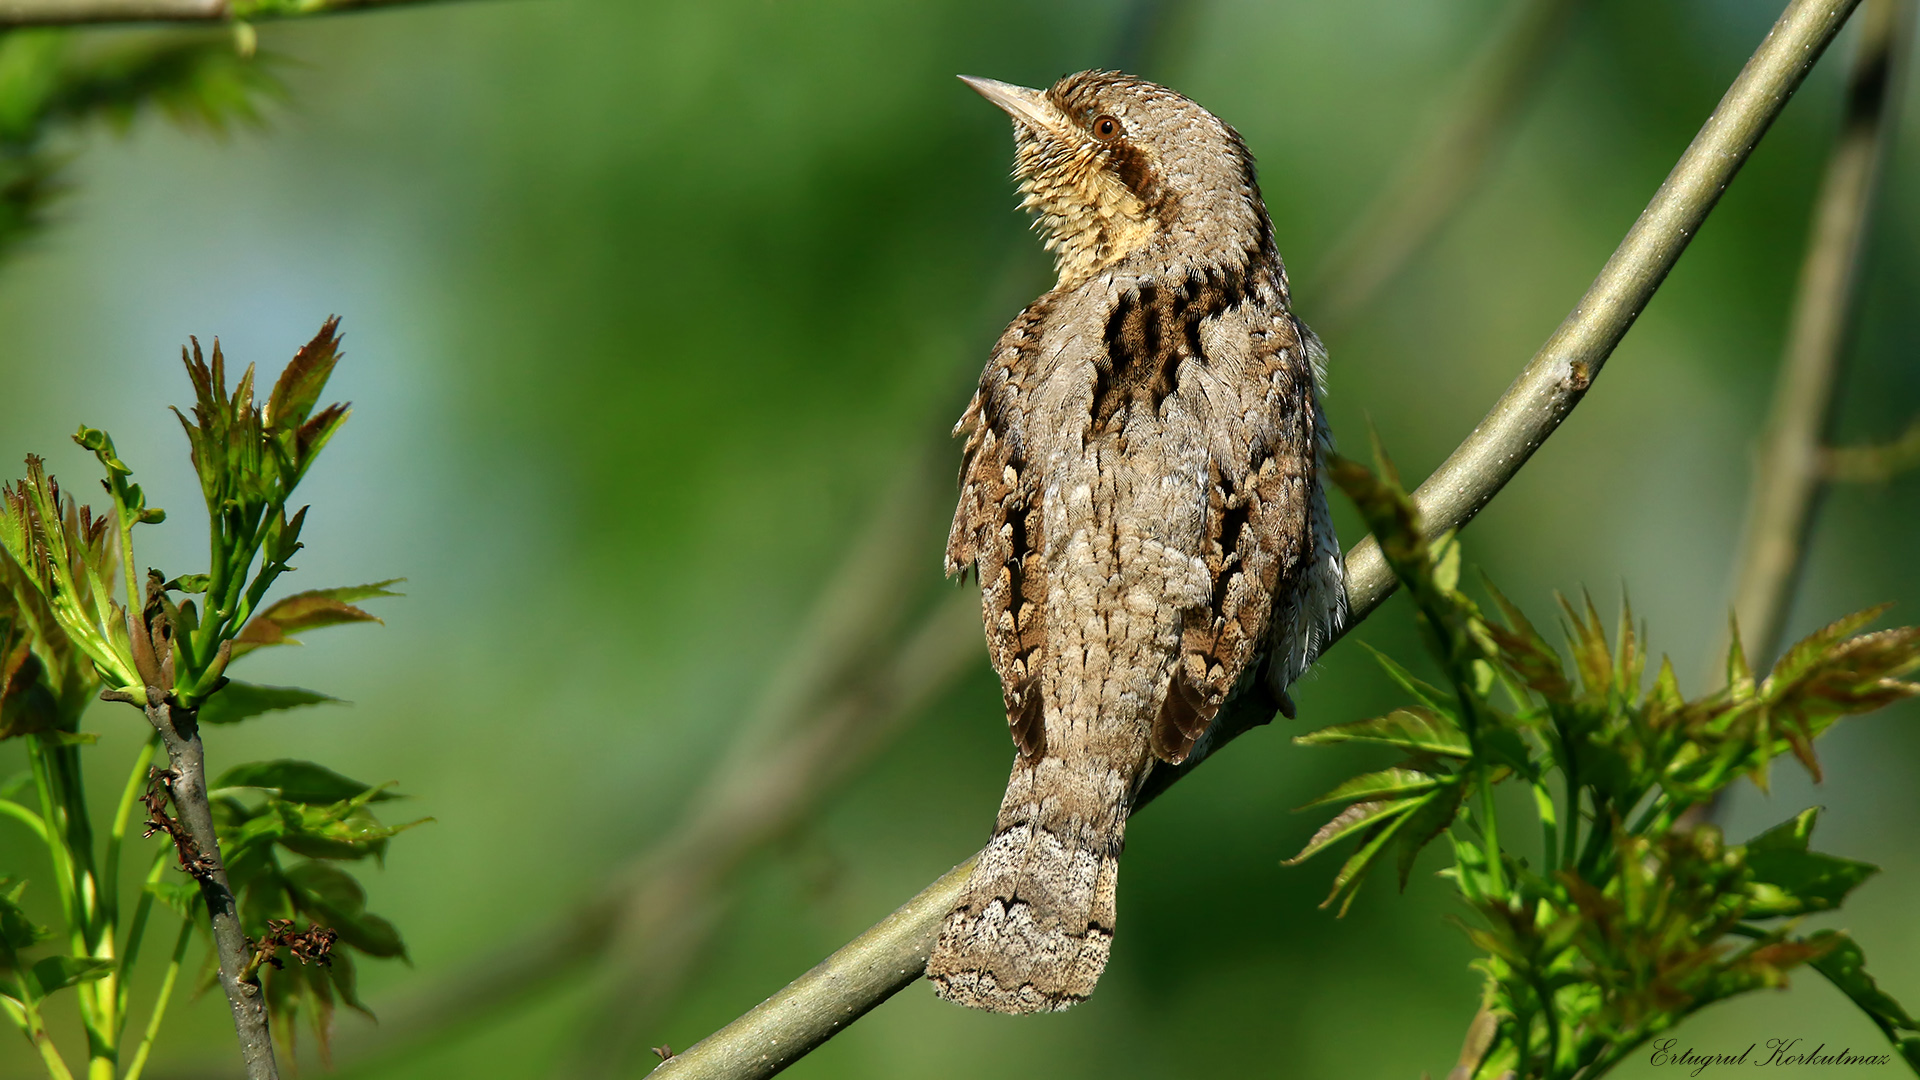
1106, 129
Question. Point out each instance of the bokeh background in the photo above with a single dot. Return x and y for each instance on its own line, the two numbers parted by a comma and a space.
647, 304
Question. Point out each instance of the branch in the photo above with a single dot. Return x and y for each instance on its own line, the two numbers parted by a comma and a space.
889, 957
1789, 474
199, 851
1873, 464
83, 12
1430, 184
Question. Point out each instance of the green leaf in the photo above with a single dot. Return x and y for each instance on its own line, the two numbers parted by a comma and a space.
1385, 784
331, 897
1794, 880
1354, 871
346, 982
1425, 693
1420, 731
237, 701
60, 972
1425, 824
183, 897
1349, 821
16, 930
1845, 966
299, 782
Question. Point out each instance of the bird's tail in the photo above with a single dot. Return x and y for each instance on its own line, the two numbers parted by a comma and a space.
1033, 930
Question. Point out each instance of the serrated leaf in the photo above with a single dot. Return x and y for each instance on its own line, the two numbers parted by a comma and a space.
1425, 693
16, 930
346, 982
1354, 871
1416, 730
1425, 824
304, 379
299, 782
183, 897
237, 701
60, 972
1794, 880
311, 610
1845, 966
1349, 821
1385, 784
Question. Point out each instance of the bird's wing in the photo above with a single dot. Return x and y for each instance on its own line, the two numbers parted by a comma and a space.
997, 527
1259, 409
1311, 614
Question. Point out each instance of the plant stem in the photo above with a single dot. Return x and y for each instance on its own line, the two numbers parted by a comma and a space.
25, 817
136, 931
180, 734
27, 1015
160, 1002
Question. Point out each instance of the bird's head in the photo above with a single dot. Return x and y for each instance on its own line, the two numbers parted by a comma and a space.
1116, 167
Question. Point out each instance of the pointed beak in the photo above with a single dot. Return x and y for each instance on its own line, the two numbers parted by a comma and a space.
1026, 105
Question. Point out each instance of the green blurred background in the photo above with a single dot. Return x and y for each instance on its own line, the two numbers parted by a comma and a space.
645, 306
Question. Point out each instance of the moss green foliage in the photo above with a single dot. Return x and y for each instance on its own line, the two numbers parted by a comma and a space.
288, 830
50, 84
1631, 916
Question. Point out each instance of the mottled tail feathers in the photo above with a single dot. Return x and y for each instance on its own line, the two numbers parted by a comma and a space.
1034, 929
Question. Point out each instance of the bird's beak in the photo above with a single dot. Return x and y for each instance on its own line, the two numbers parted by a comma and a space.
1026, 105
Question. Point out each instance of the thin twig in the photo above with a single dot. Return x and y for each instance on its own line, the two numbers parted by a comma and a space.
1788, 477
86, 12
1429, 185
813, 1009
1874, 463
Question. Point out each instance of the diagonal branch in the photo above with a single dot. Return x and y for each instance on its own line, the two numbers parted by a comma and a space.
893, 954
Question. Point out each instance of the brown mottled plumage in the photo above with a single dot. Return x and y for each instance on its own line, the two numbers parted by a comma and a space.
1141, 501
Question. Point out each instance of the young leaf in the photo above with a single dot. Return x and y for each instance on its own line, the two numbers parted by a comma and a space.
1794, 880
1416, 730
16, 930
237, 701
1385, 784
60, 972
299, 782
1845, 966
309, 611
1349, 821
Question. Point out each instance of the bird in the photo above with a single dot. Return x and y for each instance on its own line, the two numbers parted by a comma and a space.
1141, 502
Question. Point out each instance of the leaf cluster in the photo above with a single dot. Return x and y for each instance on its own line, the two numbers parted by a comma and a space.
289, 831
1633, 916
286, 828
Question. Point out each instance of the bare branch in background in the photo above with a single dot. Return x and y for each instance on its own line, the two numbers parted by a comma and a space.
1429, 185
1873, 464
85, 12
1791, 469
891, 956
